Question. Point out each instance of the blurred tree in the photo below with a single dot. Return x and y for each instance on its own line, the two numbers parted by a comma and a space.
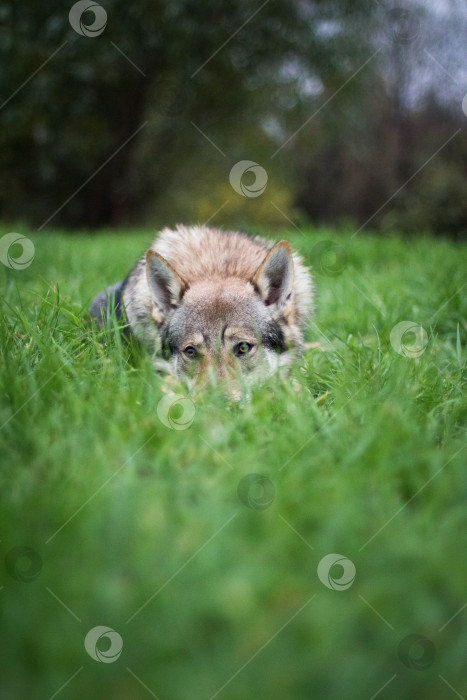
344, 103
219, 65
393, 153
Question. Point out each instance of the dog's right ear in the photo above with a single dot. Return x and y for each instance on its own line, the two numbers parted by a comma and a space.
273, 280
166, 286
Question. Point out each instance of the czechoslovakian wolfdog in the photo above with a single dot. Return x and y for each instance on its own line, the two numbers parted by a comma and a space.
212, 304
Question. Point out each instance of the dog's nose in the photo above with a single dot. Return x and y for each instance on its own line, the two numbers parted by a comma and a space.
225, 373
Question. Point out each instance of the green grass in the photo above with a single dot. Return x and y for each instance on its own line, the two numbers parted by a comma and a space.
363, 449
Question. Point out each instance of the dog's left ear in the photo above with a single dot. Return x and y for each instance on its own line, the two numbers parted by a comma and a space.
273, 280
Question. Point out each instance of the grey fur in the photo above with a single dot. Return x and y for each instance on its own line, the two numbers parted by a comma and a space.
107, 301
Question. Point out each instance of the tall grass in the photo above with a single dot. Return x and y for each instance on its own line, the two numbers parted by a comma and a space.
210, 579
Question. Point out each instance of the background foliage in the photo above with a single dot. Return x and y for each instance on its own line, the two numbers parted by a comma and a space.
384, 83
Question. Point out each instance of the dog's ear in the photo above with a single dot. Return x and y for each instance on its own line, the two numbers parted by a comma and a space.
273, 280
166, 286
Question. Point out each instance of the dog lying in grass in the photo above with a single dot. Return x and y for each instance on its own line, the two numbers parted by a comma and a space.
214, 305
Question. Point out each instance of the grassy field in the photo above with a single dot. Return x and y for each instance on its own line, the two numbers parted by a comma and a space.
208, 576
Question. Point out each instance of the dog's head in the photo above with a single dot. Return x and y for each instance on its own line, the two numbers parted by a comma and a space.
224, 328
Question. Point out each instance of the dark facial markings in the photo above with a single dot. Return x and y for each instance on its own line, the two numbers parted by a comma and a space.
168, 347
272, 338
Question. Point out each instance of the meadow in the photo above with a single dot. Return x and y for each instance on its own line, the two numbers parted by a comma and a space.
199, 533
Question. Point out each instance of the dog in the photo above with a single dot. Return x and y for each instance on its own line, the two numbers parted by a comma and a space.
212, 305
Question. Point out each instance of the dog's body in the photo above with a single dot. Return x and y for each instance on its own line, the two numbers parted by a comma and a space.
205, 298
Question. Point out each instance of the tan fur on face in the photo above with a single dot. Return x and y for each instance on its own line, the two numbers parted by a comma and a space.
238, 334
196, 340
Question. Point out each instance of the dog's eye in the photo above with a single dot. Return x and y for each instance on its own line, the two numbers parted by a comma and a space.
190, 351
243, 348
